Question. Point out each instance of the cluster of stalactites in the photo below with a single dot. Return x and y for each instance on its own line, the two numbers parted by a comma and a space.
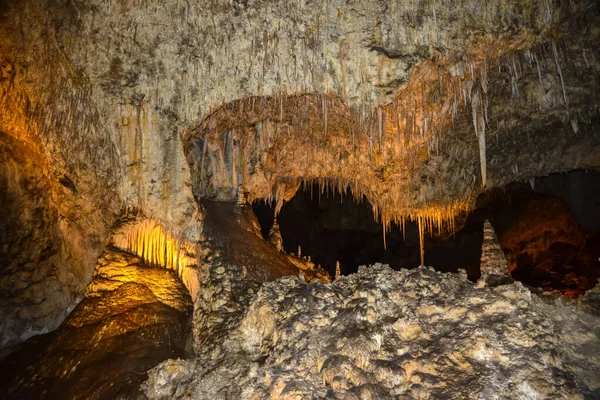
422, 112
428, 219
152, 243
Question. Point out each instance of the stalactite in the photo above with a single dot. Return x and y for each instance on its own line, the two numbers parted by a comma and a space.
560, 75
421, 240
149, 240
479, 125
384, 230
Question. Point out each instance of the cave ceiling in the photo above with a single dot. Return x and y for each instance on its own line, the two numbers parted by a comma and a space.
418, 105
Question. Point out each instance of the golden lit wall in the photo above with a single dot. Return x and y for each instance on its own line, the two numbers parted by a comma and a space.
157, 247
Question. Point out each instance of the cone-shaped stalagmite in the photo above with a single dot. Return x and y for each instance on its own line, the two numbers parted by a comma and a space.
275, 236
493, 267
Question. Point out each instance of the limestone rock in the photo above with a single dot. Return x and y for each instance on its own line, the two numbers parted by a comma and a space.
133, 317
241, 197
392, 334
493, 261
232, 236
192, 99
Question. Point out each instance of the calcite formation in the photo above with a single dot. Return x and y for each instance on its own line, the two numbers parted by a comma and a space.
416, 105
493, 260
394, 334
150, 241
275, 236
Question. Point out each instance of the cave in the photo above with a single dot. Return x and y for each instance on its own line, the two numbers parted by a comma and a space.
433, 169
333, 228
548, 228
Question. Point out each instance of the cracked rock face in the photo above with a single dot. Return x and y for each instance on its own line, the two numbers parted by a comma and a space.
395, 334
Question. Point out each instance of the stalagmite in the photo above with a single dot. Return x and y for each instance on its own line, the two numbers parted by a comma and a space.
275, 236
493, 267
241, 196
337, 270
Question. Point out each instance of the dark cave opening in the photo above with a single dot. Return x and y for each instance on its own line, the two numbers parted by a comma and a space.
332, 227
549, 229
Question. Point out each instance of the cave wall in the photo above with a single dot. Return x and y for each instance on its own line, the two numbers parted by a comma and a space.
51, 233
579, 190
105, 91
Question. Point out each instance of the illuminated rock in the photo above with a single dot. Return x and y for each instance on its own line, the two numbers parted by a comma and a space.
150, 241
415, 106
133, 316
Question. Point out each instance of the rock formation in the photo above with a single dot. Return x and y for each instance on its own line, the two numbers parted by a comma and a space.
394, 334
133, 317
493, 267
275, 237
241, 196
144, 105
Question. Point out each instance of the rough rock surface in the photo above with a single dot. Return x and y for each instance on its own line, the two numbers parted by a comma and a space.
395, 334
234, 261
233, 236
133, 317
275, 238
50, 237
539, 222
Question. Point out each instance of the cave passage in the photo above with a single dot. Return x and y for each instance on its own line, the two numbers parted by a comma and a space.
548, 227
133, 317
331, 227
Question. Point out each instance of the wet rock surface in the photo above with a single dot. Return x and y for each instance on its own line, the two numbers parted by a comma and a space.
133, 317
395, 334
